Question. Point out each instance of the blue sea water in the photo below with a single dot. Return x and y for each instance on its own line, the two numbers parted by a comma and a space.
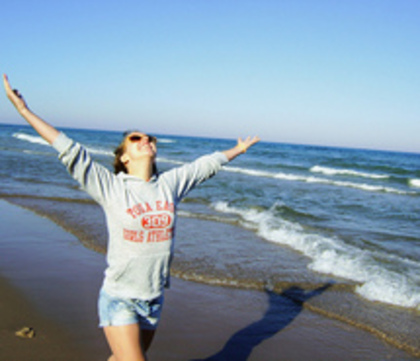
280, 214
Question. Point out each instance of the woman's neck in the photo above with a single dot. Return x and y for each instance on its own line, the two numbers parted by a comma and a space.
141, 170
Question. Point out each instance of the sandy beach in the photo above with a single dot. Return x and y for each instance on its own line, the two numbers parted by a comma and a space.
49, 281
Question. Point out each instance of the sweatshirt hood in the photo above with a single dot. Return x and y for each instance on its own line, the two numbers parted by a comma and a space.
131, 178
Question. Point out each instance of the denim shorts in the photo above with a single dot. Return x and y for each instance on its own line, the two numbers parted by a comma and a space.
116, 311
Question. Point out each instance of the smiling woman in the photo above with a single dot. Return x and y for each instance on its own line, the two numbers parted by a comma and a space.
140, 246
136, 154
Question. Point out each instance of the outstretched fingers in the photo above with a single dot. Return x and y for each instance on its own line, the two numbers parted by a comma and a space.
13, 94
248, 142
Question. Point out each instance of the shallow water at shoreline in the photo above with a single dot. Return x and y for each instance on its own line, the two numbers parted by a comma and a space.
197, 259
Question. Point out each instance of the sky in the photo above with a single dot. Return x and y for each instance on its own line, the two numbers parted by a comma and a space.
322, 72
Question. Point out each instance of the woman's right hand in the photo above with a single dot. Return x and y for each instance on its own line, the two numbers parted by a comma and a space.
14, 96
45, 130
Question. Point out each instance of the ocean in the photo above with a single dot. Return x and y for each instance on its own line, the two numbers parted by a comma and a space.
281, 215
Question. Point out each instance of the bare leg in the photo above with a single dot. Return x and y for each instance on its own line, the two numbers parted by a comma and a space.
129, 342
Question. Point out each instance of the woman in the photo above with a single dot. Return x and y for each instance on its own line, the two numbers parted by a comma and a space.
140, 208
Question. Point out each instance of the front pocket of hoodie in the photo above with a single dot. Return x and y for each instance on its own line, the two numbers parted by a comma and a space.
145, 274
115, 273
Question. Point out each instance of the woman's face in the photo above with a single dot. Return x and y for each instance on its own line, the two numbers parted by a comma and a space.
139, 146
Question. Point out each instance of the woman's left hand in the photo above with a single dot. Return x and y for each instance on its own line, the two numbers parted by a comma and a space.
247, 143
241, 147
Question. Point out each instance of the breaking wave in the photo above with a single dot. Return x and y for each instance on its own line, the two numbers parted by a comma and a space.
346, 172
381, 277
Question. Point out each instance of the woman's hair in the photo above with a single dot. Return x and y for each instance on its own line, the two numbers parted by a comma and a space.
119, 166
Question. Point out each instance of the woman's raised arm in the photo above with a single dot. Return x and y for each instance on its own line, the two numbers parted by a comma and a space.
45, 130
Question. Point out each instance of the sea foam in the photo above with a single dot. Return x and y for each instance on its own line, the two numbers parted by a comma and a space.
346, 172
374, 271
311, 179
166, 140
414, 183
39, 140
30, 138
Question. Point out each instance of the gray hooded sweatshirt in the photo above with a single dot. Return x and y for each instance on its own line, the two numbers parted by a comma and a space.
140, 216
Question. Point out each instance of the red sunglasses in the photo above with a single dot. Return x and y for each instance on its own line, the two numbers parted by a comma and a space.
137, 138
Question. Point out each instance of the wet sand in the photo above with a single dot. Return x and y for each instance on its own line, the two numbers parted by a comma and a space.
49, 281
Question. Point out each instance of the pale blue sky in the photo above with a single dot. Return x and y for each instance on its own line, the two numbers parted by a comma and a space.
341, 73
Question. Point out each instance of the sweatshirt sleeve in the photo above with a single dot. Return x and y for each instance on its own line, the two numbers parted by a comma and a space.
185, 178
94, 178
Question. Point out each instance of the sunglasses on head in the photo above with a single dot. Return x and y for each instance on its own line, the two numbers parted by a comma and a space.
137, 138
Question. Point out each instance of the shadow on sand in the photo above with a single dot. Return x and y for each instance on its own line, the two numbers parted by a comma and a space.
282, 309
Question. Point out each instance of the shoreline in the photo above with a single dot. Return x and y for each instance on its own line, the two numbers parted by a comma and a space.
59, 285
